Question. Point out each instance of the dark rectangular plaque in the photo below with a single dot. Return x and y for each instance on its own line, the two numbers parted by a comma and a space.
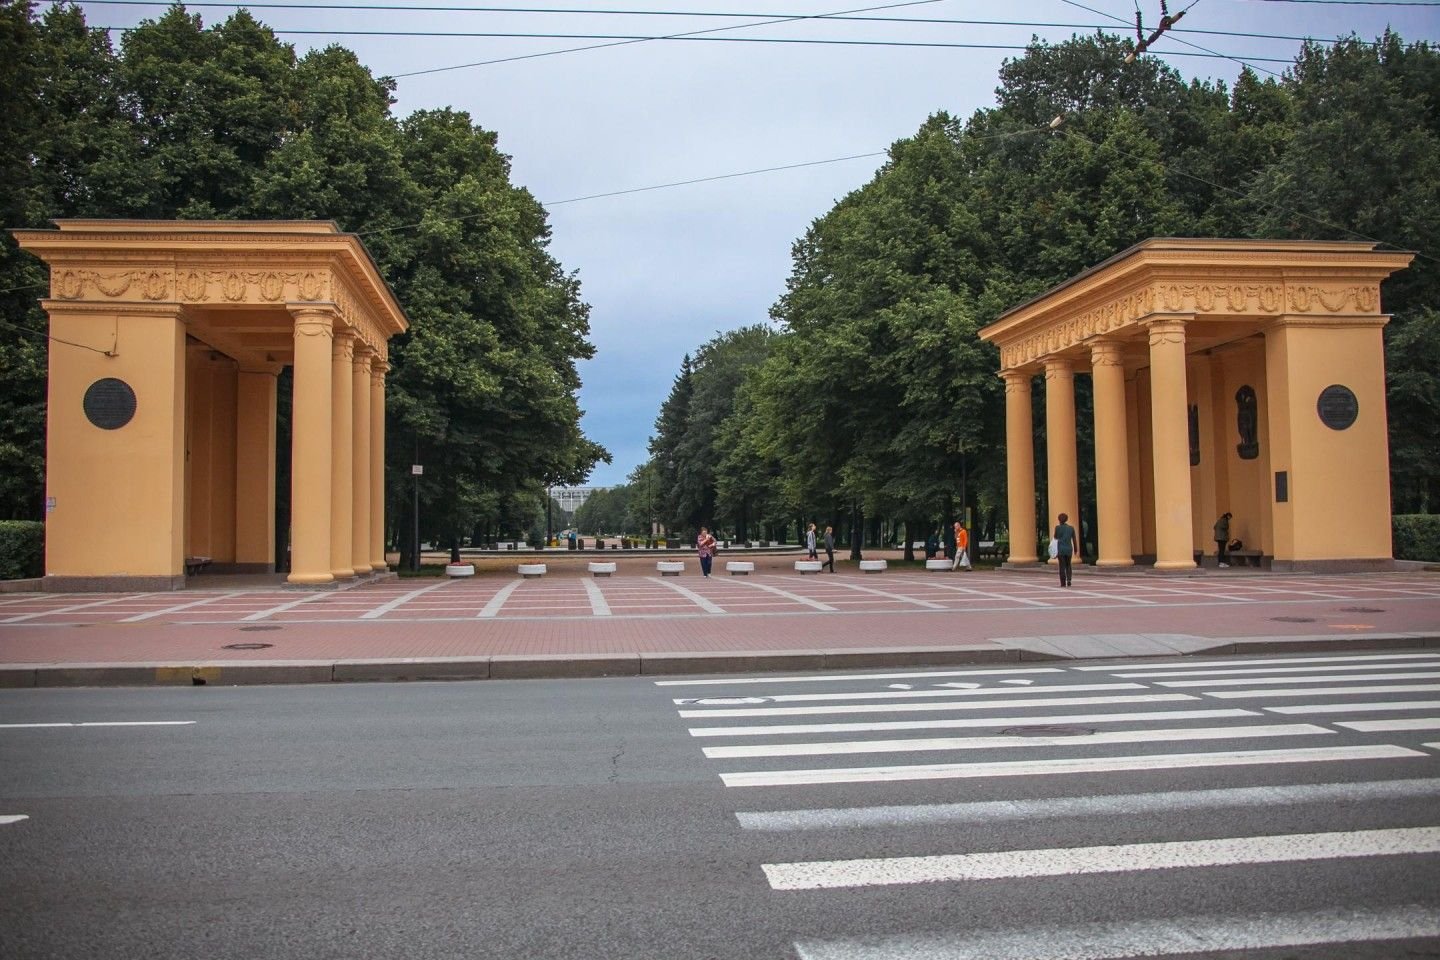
1282, 486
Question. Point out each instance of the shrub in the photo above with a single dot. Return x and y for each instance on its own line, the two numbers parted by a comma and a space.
22, 549
1416, 536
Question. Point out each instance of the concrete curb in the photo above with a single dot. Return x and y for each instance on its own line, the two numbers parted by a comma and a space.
570, 666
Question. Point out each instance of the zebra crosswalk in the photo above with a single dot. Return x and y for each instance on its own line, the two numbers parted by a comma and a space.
1305, 763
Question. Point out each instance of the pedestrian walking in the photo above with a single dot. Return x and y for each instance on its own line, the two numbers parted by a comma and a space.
948, 537
1067, 546
962, 547
829, 549
705, 544
1222, 540
810, 543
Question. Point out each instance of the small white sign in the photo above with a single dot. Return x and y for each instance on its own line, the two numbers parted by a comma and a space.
49, 504
416, 469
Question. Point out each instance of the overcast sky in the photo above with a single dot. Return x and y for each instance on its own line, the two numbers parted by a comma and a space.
664, 270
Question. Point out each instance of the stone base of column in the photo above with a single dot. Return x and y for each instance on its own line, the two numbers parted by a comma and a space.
1127, 562
1162, 565
1022, 564
344, 573
380, 567
1356, 565
122, 584
310, 579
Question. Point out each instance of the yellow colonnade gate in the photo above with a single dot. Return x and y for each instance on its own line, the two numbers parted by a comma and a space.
167, 338
1240, 376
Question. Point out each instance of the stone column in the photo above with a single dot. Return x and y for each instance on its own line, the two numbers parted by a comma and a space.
342, 451
360, 462
1132, 433
1062, 479
255, 471
1020, 465
310, 457
1170, 445
1112, 455
378, 368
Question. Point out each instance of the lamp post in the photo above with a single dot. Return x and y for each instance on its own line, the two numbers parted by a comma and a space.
547, 515
416, 471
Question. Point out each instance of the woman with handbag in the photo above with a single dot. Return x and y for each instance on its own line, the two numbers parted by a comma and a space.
1067, 545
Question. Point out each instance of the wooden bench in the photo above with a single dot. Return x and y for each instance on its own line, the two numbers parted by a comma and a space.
195, 565
1245, 558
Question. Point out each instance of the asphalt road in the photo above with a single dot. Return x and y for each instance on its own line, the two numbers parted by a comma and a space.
1028, 812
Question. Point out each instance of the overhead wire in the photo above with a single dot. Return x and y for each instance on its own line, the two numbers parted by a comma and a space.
1243, 62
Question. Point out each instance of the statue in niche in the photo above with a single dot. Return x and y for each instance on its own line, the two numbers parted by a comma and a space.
1247, 418
1194, 435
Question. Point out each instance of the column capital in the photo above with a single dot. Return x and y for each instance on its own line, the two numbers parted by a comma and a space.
1058, 367
343, 348
314, 319
1167, 329
1107, 352
1017, 380
378, 369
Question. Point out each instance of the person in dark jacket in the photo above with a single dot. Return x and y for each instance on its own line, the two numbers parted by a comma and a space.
1222, 540
1067, 547
829, 549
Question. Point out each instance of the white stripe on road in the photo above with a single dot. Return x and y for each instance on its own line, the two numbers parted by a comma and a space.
1030, 719
290, 605
1172, 936
9, 818
123, 598
1114, 805
921, 674
925, 694
1028, 768
690, 595
1381, 707
901, 598
920, 745
1283, 660
793, 597
1395, 723
928, 707
492, 607
100, 723
955, 588
385, 608
1324, 691
1342, 678
1118, 858
1153, 674
598, 606
139, 617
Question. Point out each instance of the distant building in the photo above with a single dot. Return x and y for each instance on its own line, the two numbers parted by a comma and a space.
570, 498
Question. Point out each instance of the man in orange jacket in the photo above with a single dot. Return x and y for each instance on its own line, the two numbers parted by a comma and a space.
962, 547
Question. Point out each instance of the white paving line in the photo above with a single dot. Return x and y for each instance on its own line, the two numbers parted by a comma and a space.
1204, 935
1323, 691
931, 707
971, 591
893, 596
1113, 805
690, 595
1380, 707
793, 597
384, 608
1028, 768
922, 694
100, 723
908, 675
598, 606
492, 608
1331, 678
9, 818
1157, 674
125, 598
1118, 858
967, 723
281, 608
1394, 723
1246, 661
178, 607
922, 745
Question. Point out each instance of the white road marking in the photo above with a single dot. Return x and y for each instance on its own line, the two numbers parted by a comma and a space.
598, 606
1172, 936
1394, 723
903, 686
123, 598
927, 707
968, 722
893, 596
1324, 691
385, 608
792, 597
1343, 678
1027, 768
690, 595
1122, 804
1199, 664
1119, 858
962, 685
181, 606
955, 588
1153, 674
289, 605
907, 675
9, 818
922, 745
492, 607
925, 694
1020, 682
100, 723
1381, 707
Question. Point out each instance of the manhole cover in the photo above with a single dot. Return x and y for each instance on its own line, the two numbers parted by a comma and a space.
267, 626
1047, 730
1293, 619
246, 646
1361, 610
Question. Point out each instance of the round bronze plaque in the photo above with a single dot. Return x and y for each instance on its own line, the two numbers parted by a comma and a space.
1337, 407
109, 403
